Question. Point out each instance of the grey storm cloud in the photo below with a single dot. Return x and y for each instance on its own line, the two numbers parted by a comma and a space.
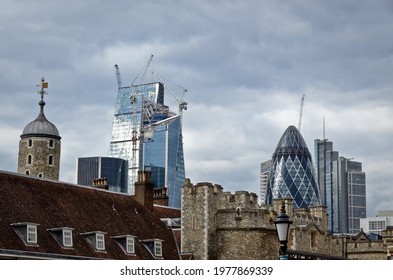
246, 65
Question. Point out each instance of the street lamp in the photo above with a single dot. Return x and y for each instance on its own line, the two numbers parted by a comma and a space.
282, 223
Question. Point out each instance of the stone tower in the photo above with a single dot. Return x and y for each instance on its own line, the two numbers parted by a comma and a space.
39, 146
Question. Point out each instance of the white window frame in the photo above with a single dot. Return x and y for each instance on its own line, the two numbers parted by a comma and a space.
130, 245
100, 242
67, 238
158, 248
31, 234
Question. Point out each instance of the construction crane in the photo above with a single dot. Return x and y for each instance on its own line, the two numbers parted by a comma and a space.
182, 104
299, 125
135, 137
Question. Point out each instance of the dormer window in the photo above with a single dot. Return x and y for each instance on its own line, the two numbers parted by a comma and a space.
32, 234
126, 242
158, 248
67, 237
63, 236
100, 242
27, 232
154, 246
96, 239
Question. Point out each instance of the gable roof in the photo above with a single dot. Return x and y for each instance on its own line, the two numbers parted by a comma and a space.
53, 204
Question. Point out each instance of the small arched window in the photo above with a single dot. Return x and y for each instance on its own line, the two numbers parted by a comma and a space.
29, 159
51, 143
50, 160
27, 172
30, 142
39, 175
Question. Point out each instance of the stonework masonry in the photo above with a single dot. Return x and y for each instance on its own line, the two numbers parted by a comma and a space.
39, 156
225, 226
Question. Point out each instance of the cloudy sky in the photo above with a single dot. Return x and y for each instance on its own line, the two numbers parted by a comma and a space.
246, 65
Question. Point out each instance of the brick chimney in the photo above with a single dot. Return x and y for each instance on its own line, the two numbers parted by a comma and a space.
144, 190
101, 183
160, 196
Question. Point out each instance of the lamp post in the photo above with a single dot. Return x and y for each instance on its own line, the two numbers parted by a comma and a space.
282, 223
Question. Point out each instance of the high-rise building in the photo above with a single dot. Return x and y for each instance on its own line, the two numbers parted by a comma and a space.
355, 187
39, 146
264, 178
114, 170
324, 158
343, 187
292, 173
149, 135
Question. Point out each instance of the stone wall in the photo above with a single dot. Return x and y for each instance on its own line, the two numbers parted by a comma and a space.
225, 226
40, 150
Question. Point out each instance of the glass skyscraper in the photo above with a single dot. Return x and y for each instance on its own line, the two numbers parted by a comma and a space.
343, 185
147, 134
115, 170
292, 173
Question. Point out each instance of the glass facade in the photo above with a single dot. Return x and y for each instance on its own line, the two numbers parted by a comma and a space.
114, 169
343, 188
163, 156
140, 109
324, 163
264, 178
292, 174
127, 123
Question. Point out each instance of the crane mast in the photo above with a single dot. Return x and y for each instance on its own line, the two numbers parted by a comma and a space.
135, 137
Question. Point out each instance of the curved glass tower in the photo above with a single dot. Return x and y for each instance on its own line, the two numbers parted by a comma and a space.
292, 174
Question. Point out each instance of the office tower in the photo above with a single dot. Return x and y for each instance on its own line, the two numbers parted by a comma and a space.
264, 178
324, 158
39, 146
114, 170
149, 135
163, 156
292, 174
353, 184
343, 187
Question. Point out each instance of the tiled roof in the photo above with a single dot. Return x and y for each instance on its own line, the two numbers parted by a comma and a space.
166, 212
52, 204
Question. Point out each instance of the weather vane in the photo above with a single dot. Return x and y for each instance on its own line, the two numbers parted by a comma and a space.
43, 85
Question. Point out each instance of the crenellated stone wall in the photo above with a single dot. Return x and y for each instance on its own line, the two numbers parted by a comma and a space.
225, 226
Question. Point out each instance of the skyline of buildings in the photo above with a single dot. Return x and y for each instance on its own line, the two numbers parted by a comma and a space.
342, 183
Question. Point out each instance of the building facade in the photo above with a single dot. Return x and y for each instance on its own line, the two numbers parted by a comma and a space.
343, 187
40, 145
375, 225
292, 174
264, 179
114, 170
149, 135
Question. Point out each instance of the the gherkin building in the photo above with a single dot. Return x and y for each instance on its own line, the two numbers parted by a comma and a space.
292, 174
